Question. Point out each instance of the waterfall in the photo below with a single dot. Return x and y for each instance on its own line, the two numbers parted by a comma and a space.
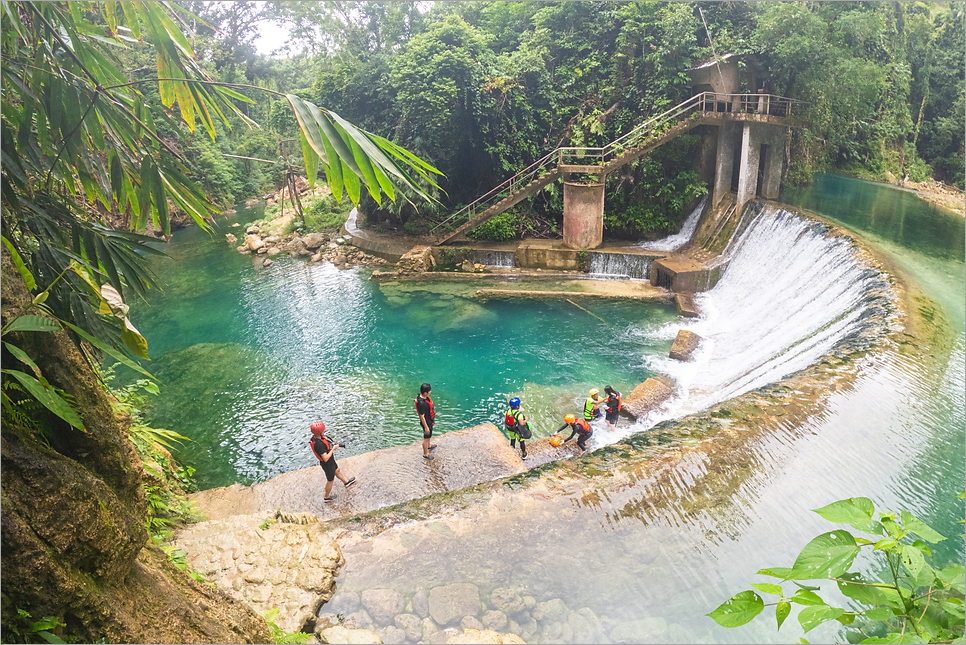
789, 296
493, 258
620, 265
682, 237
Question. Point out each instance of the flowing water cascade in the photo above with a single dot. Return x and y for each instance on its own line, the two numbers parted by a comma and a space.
493, 258
682, 237
783, 267
609, 266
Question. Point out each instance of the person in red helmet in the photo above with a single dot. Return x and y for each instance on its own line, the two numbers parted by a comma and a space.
324, 448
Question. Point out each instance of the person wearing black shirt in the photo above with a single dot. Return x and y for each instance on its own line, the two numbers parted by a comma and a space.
427, 417
612, 407
324, 449
581, 428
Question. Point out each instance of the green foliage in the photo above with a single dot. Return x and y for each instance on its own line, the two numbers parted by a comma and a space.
267, 523
501, 228
26, 630
583, 261
914, 603
279, 635
179, 559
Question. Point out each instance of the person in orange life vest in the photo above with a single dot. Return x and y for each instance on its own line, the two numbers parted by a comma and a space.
580, 427
324, 448
427, 417
612, 406
514, 418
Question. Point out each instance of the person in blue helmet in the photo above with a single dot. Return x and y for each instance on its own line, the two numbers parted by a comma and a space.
516, 422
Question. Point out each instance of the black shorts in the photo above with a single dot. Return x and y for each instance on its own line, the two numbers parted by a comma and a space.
427, 435
612, 418
329, 467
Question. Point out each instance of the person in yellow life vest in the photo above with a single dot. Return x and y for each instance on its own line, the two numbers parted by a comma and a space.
581, 428
515, 420
592, 405
612, 407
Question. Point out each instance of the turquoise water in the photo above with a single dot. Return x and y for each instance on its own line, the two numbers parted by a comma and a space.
648, 536
248, 357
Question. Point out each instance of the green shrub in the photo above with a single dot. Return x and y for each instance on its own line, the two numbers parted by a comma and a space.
918, 170
413, 227
501, 228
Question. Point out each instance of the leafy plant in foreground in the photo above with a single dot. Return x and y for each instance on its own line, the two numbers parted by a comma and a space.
916, 604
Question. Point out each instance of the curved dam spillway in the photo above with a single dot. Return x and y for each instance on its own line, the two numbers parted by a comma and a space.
791, 293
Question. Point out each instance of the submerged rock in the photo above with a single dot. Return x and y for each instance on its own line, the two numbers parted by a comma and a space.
340, 634
382, 604
451, 602
645, 397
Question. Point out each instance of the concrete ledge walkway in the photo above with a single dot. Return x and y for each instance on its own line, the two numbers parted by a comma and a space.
384, 478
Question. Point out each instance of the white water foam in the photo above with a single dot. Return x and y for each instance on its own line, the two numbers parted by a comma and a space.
788, 296
682, 237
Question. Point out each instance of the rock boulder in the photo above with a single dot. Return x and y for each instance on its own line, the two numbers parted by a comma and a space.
450, 603
645, 397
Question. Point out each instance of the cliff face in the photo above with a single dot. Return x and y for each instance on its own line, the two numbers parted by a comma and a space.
73, 512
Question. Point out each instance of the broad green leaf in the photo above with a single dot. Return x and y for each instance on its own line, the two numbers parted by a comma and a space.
846, 619
767, 587
806, 597
827, 556
854, 511
51, 638
885, 543
45, 623
880, 613
107, 349
333, 172
775, 572
738, 610
782, 611
920, 528
48, 398
911, 559
30, 322
28, 277
894, 529
307, 123
352, 184
863, 593
812, 617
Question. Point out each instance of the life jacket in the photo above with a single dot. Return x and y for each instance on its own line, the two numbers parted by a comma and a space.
591, 409
511, 419
432, 410
612, 410
582, 426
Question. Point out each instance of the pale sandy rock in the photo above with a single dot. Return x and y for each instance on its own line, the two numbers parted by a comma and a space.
231, 238
483, 636
507, 601
427, 629
411, 624
645, 397
444, 635
553, 610
450, 603
685, 344
495, 620
268, 263
471, 622
342, 635
420, 603
382, 604
417, 260
392, 634
314, 240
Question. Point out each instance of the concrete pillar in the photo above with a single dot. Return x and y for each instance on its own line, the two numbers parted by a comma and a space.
748, 169
583, 215
774, 138
771, 182
724, 164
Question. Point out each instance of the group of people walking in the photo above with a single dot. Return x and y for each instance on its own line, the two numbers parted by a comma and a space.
515, 421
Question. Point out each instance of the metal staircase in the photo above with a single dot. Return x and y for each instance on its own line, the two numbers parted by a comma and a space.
701, 108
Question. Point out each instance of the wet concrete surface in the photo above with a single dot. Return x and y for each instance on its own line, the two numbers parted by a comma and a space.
383, 478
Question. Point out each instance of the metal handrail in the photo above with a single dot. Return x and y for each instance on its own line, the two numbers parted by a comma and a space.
768, 104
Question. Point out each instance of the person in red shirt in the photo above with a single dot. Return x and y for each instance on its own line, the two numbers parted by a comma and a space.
324, 448
427, 418
612, 406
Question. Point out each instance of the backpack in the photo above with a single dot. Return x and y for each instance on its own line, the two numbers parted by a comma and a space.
523, 431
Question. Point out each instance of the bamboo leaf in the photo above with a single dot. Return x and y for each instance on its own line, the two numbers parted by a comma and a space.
30, 322
18, 262
48, 398
311, 160
107, 349
22, 356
